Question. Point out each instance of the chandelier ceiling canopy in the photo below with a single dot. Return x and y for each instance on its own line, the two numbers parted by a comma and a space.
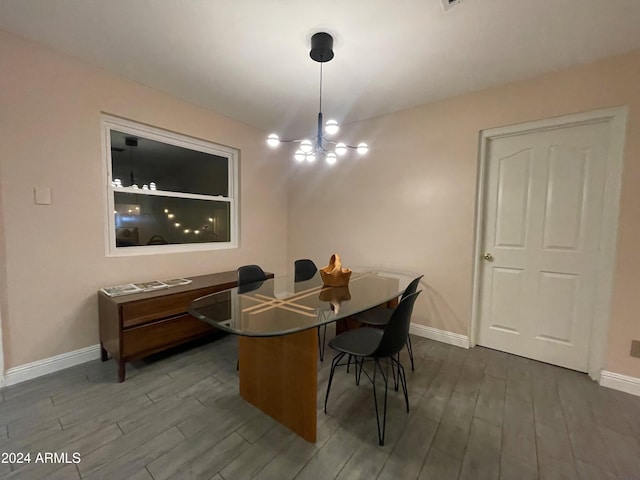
322, 145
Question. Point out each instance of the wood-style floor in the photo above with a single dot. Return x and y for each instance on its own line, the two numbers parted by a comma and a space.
475, 414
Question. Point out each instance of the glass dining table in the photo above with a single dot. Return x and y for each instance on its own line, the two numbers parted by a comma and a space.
276, 321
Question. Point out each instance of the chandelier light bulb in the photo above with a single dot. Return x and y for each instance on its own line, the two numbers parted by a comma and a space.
331, 127
311, 157
331, 158
306, 146
273, 140
341, 148
299, 156
362, 148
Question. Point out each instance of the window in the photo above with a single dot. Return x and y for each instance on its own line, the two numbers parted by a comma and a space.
167, 192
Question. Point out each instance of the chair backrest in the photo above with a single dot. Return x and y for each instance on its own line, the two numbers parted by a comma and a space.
304, 269
396, 331
250, 274
412, 287
157, 240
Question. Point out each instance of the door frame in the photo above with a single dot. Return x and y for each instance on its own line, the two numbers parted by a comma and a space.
616, 117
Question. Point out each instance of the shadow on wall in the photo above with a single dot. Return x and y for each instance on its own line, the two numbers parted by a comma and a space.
439, 314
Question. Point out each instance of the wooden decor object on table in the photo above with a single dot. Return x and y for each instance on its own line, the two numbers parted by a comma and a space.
333, 275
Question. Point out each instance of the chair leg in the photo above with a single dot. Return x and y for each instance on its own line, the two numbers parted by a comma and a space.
395, 378
359, 371
334, 363
321, 341
375, 400
403, 381
410, 350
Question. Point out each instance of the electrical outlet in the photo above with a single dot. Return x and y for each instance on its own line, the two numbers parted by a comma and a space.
635, 348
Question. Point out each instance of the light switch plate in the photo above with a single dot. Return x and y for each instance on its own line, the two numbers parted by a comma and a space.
42, 195
635, 348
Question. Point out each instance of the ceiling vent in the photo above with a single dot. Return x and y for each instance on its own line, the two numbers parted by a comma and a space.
447, 4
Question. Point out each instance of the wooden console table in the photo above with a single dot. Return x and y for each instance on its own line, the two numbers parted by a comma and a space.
137, 325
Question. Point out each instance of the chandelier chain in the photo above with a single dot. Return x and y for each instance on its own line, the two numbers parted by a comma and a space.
320, 107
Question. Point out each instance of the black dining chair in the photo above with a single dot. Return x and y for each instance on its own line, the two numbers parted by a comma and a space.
377, 344
379, 317
250, 277
305, 269
250, 274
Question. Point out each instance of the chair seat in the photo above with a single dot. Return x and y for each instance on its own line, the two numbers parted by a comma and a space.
360, 342
375, 316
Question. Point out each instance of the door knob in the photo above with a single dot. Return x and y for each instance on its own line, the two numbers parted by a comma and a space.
487, 256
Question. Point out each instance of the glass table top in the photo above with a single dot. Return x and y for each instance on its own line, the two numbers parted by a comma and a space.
280, 305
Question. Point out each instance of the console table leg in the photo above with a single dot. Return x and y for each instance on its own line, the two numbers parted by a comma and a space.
121, 364
104, 355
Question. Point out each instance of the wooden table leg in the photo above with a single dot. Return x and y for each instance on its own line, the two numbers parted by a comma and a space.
279, 375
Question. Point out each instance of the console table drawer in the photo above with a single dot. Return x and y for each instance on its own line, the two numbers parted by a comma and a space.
161, 334
149, 310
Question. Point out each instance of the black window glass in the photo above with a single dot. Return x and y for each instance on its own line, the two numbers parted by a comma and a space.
159, 166
158, 220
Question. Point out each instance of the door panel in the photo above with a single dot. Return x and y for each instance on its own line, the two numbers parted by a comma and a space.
544, 205
557, 297
511, 207
565, 198
506, 283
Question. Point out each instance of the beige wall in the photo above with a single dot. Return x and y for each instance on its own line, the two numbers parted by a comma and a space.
53, 259
410, 203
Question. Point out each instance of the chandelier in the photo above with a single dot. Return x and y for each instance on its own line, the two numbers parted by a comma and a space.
320, 145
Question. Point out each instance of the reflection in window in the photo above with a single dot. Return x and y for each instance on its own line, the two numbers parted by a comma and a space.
157, 220
167, 190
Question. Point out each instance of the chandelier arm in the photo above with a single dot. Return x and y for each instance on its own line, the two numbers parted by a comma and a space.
333, 142
293, 140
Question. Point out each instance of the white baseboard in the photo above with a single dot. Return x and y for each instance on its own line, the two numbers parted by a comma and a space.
440, 335
617, 381
45, 366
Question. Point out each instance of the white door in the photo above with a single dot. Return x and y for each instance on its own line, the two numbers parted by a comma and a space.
543, 211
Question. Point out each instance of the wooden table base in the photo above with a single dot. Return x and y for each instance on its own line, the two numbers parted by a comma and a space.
279, 375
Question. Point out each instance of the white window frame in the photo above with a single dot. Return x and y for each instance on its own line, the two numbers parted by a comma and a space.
109, 123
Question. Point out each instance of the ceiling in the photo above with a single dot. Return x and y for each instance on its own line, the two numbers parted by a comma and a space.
249, 59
